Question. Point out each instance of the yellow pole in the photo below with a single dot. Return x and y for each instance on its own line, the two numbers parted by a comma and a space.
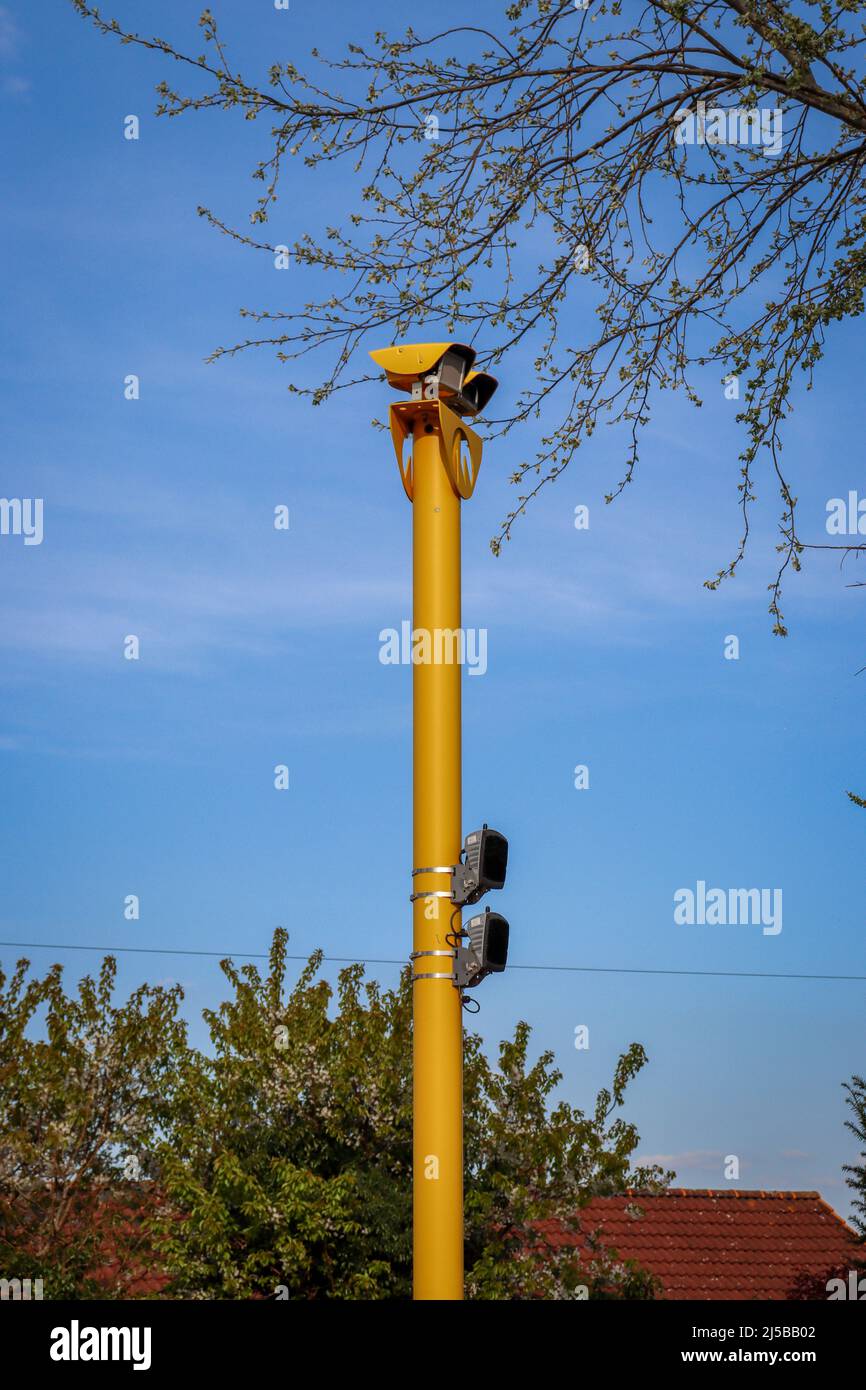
441, 468
438, 1022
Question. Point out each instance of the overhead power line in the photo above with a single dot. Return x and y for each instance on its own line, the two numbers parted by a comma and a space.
387, 960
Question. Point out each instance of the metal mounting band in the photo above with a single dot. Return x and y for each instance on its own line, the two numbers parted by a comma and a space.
431, 893
435, 869
438, 975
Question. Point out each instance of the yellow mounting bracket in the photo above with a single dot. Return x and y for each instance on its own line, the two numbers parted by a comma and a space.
459, 445
404, 415
456, 437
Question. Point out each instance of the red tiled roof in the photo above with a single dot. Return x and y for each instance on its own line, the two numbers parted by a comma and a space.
720, 1244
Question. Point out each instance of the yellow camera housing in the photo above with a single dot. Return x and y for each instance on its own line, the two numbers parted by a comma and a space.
406, 363
437, 371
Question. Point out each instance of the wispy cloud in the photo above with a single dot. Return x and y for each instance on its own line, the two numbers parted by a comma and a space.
10, 34
12, 84
704, 1160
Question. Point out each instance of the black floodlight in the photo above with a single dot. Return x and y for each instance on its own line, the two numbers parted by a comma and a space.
483, 864
452, 370
476, 391
466, 392
487, 952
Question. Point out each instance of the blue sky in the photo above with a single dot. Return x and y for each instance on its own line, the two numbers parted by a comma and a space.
261, 647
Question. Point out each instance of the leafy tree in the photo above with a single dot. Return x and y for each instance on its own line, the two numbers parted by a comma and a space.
689, 170
528, 1164
278, 1164
291, 1153
80, 1111
291, 1143
817, 1285
856, 1172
